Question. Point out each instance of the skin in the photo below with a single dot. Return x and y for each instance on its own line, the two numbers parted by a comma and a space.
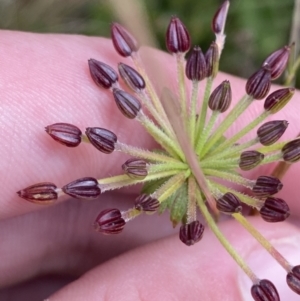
53, 249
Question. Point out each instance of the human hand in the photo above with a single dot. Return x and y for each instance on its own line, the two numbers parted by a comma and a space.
44, 80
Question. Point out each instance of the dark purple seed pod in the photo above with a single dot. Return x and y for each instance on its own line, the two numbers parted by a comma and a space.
293, 279
109, 221
291, 151
65, 133
146, 203
219, 19
104, 140
258, 85
131, 77
274, 210
103, 75
191, 233
220, 98
271, 131
195, 68
212, 60
127, 103
277, 61
177, 37
265, 290
278, 99
250, 159
83, 188
136, 168
266, 185
125, 44
40, 193
229, 203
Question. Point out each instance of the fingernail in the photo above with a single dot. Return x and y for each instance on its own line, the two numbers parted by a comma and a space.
265, 267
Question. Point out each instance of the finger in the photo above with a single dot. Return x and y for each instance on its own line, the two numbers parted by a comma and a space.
168, 270
61, 240
50, 84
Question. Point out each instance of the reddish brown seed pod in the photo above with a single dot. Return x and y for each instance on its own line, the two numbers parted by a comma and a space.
40, 193
104, 140
266, 185
278, 99
265, 290
109, 221
277, 61
83, 188
219, 19
191, 233
250, 159
131, 77
258, 85
65, 133
291, 151
146, 203
195, 68
271, 131
274, 210
127, 103
177, 37
212, 60
220, 98
102, 74
136, 168
229, 203
125, 44
293, 279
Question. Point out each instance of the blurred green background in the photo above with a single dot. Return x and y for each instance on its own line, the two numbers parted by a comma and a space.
254, 27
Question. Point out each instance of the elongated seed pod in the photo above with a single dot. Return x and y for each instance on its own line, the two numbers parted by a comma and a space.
177, 37
65, 133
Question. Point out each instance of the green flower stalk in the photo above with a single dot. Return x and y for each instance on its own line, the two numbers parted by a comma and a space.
197, 156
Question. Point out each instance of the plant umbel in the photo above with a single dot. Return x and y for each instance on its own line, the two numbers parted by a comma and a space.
197, 156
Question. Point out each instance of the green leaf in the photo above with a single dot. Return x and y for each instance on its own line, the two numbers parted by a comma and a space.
152, 186
179, 205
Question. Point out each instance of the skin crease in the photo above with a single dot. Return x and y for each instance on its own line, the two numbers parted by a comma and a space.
45, 79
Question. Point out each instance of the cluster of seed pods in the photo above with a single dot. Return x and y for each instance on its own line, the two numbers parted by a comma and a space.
179, 184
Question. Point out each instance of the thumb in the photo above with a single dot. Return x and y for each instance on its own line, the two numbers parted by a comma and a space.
169, 270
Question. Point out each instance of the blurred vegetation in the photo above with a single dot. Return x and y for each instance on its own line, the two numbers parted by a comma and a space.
254, 28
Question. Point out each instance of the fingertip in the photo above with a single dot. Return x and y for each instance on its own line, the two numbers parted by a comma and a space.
169, 270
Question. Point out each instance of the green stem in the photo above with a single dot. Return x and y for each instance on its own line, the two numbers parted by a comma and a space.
149, 87
271, 158
228, 176
272, 148
233, 150
263, 241
201, 119
120, 181
207, 131
191, 206
192, 115
226, 244
153, 168
165, 125
292, 72
229, 163
181, 81
241, 106
241, 133
165, 141
251, 201
143, 154
131, 214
